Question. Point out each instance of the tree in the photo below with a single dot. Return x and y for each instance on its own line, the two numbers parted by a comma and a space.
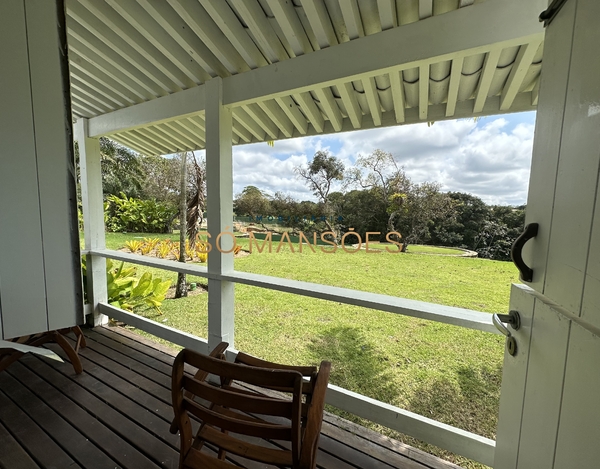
320, 174
415, 208
196, 204
252, 202
181, 288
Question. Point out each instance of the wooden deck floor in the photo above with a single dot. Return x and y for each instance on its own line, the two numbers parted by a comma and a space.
117, 414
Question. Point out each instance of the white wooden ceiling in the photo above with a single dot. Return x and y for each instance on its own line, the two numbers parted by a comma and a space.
406, 61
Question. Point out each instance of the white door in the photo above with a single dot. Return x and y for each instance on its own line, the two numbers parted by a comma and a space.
550, 402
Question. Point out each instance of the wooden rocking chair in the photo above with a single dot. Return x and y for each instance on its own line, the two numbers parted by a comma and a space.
236, 419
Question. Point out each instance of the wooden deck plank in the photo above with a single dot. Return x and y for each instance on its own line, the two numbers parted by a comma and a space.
122, 405
13, 456
149, 451
82, 450
31, 437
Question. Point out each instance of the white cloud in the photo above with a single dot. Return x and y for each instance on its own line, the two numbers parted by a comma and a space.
489, 158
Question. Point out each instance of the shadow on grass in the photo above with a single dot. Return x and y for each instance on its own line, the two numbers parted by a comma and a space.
356, 364
469, 402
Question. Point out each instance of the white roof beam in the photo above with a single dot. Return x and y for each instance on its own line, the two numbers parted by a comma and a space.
227, 21
455, 76
287, 18
241, 132
348, 95
185, 138
423, 91
261, 28
485, 81
151, 147
170, 142
187, 39
397, 85
97, 94
196, 69
290, 108
93, 76
194, 128
129, 144
262, 119
121, 28
330, 106
320, 22
206, 29
124, 63
249, 124
310, 109
372, 99
158, 110
425, 9
125, 49
123, 77
351, 15
330, 66
276, 114
387, 14
164, 147
517, 74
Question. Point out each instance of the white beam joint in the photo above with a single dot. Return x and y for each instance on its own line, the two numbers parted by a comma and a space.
423, 91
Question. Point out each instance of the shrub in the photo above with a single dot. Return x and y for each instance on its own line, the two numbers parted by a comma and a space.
126, 291
136, 215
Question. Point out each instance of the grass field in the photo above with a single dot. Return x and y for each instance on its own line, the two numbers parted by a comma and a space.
444, 372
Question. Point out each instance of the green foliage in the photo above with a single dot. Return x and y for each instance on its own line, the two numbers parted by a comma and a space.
139, 216
126, 291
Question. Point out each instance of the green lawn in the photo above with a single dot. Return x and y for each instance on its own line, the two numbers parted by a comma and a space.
444, 372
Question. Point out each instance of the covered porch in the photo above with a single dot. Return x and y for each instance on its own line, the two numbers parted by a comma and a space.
117, 414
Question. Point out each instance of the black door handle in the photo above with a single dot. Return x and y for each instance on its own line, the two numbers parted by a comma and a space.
516, 252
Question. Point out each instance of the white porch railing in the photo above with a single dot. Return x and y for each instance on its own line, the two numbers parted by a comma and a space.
431, 431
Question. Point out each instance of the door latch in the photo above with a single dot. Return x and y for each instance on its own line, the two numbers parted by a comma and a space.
513, 319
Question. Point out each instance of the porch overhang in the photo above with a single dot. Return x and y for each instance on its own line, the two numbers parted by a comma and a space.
295, 69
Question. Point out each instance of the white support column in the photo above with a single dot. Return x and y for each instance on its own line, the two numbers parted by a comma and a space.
219, 182
93, 218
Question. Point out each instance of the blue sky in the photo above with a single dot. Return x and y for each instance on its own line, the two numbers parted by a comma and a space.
489, 158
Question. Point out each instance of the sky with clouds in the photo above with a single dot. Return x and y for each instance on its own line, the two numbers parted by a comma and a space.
490, 158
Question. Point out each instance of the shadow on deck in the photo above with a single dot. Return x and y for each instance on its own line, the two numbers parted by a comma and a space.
117, 414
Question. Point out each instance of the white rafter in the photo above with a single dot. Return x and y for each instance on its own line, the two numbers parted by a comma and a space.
517, 73
331, 108
372, 99
348, 95
339, 64
485, 81
227, 21
261, 28
387, 14
455, 75
291, 26
319, 20
241, 116
139, 18
121, 28
276, 114
397, 85
351, 15
206, 29
261, 118
423, 91
310, 109
290, 108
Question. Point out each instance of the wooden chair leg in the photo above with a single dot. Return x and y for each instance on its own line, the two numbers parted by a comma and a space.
70, 351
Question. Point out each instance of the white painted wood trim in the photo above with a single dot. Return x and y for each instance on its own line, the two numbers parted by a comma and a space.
174, 106
93, 216
431, 431
420, 309
459, 33
159, 330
